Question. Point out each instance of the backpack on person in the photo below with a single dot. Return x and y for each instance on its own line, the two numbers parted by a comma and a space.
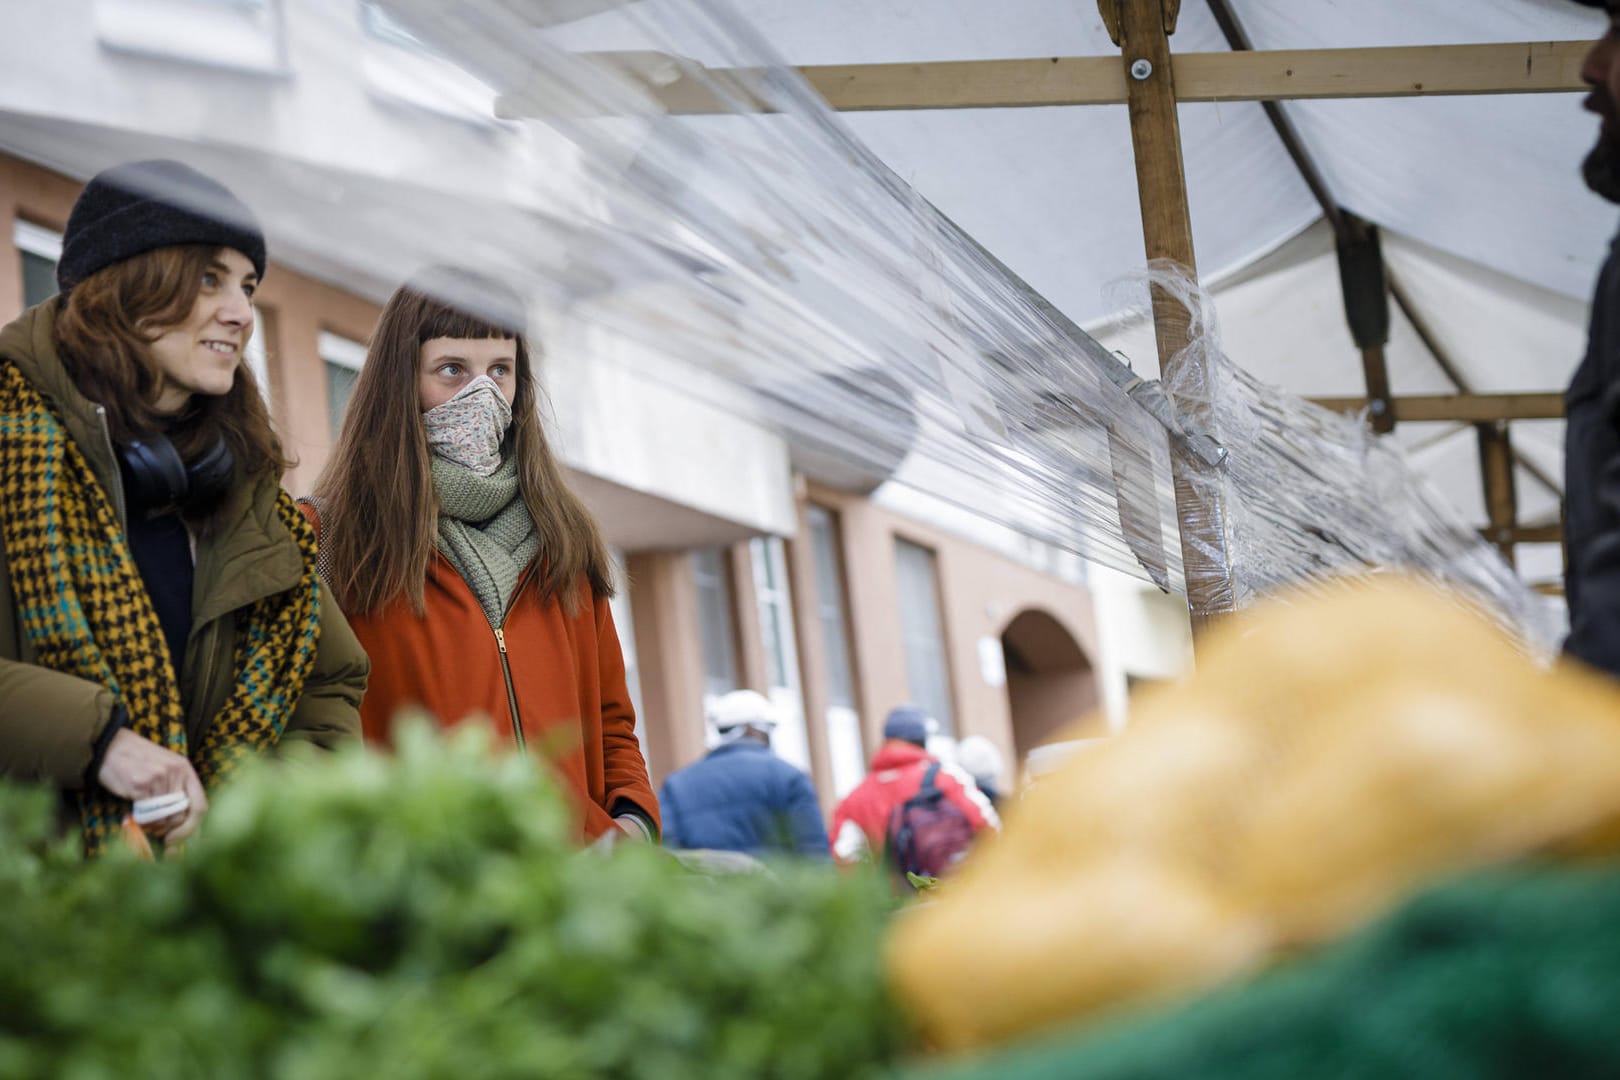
928, 834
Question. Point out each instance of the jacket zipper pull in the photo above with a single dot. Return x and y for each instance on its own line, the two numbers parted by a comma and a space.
511, 694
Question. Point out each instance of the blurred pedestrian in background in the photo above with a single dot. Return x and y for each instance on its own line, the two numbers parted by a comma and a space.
873, 821
741, 796
980, 759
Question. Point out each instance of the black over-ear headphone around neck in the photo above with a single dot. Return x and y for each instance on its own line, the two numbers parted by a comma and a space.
158, 481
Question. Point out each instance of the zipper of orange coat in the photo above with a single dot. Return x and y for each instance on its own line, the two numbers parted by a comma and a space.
506, 664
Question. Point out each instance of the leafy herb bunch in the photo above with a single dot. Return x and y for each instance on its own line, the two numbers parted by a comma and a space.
425, 915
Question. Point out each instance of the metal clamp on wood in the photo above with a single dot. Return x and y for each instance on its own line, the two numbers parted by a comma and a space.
1149, 393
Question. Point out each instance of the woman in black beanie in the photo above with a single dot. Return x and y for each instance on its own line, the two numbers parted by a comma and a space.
160, 613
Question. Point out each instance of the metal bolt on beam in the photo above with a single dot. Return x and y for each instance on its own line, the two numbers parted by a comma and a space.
1141, 69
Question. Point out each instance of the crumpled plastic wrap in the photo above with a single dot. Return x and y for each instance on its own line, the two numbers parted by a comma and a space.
674, 197
755, 256
1306, 495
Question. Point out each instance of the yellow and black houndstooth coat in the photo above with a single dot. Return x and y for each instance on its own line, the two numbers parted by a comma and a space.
49, 720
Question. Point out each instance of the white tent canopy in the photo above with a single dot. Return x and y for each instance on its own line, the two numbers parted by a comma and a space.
1486, 223
772, 251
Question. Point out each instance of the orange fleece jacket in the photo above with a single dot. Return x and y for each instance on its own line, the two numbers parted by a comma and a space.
567, 681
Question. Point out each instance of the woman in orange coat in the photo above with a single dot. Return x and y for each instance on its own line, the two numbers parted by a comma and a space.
474, 578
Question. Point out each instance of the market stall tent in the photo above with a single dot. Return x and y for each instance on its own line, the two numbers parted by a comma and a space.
1487, 229
796, 250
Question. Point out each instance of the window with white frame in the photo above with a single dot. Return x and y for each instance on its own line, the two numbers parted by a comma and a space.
922, 629
846, 752
829, 564
39, 250
775, 609
717, 621
774, 602
343, 357
239, 35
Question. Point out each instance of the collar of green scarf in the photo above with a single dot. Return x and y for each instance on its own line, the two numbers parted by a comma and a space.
485, 531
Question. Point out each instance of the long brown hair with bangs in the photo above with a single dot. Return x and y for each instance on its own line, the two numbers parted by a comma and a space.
378, 507
103, 332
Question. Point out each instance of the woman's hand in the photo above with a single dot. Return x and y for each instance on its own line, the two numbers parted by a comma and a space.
628, 828
137, 768
632, 827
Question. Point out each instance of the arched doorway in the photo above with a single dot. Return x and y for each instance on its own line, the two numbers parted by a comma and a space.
1050, 683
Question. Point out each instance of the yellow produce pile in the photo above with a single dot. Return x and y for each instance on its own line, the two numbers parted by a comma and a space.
1331, 754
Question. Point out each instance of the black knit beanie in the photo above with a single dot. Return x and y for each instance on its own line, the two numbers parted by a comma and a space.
145, 205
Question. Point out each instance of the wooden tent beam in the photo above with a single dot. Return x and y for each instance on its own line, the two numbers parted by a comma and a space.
1363, 276
1526, 534
1143, 28
1501, 494
1465, 408
1267, 75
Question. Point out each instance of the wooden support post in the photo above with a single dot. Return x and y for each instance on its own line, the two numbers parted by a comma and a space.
1465, 408
1380, 406
1366, 296
1362, 279
1143, 34
681, 86
1550, 533
1501, 500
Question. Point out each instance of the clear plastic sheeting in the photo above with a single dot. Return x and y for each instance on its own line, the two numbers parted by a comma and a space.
1307, 495
756, 256
673, 198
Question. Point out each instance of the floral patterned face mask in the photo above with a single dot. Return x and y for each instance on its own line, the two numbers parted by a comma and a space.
468, 428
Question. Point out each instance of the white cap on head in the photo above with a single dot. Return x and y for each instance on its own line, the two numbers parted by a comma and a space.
743, 708
979, 757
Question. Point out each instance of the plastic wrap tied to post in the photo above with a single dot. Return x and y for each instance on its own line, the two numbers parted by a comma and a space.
1149, 394
1309, 495
699, 237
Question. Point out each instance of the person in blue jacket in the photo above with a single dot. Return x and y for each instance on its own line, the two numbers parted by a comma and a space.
741, 796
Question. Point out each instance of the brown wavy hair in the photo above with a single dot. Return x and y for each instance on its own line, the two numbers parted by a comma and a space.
103, 333
378, 507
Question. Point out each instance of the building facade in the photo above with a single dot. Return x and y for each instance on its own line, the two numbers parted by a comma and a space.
744, 564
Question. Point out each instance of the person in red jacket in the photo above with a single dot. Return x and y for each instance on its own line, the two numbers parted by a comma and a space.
478, 582
860, 822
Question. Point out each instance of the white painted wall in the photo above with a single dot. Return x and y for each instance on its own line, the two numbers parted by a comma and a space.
615, 422
1141, 632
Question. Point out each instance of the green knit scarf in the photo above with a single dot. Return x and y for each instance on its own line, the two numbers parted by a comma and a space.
485, 531
85, 610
